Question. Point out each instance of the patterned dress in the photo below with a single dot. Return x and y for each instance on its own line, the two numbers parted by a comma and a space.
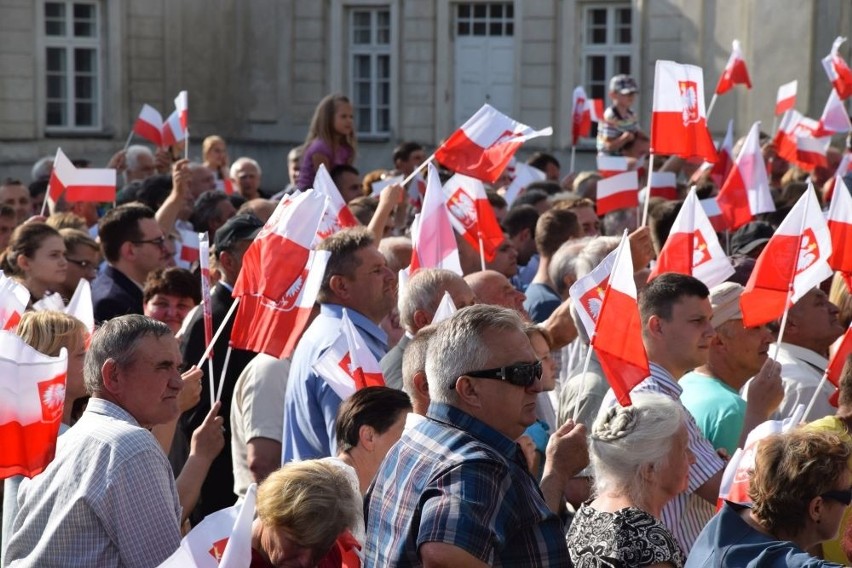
629, 537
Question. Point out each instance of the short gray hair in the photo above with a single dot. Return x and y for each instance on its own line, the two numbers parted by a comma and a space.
42, 168
238, 163
625, 441
414, 358
614, 222
424, 292
117, 339
594, 252
564, 263
458, 346
131, 157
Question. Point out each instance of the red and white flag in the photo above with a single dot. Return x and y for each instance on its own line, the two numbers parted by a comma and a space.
14, 298
483, 146
838, 359
433, 240
618, 192
724, 158
337, 215
377, 186
206, 302
735, 72
664, 184
32, 399
221, 540
445, 309
678, 121
80, 184
835, 117
149, 125
472, 215
811, 153
349, 365
794, 261
714, 214
745, 192
840, 227
416, 191
609, 166
173, 131
190, 248
618, 333
524, 175
587, 292
786, 99
181, 106
798, 141
693, 248
585, 111
81, 306
838, 70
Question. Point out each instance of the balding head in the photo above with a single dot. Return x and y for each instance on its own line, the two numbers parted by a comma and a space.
491, 287
424, 292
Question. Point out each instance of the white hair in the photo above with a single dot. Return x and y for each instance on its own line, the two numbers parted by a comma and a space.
42, 168
564, 263
424, 292
239, 162
594, 252
131, 157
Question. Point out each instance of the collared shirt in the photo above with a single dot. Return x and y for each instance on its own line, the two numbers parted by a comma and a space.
453, 479
310, 408
687, 513
801, 373
107, 499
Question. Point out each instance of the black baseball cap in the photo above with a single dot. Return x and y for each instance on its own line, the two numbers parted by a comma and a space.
750, 236
238, 228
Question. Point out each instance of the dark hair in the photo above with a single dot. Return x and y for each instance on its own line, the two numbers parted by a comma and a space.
363, 208
532, 196
496, 200
38, 187
154, 191
173, 281
128, 192
337, 172
343, 245
549, 187
120, 225
8, 211
663, 292
25, 240
377, 407
404, 151
206, 209
661, 219
539, 160
553, 228
519, 218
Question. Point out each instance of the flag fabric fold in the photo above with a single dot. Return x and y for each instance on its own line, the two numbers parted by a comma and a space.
445, 309
149, 125
337, 215
14, 298
735, 72
618, 192
838, 359
786, 98
835, 117
724, 158
79, 184
472, 215
745, 192
664, 185
587, 293
609, 166
433, 240
840, 228
81, 306
838, 70
524, 175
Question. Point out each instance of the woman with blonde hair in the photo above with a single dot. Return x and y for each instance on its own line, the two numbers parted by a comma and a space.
36, 258
214, 154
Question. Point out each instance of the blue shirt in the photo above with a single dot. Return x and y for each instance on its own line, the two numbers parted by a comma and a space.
541, 301
455, 480
310, 405
718, 409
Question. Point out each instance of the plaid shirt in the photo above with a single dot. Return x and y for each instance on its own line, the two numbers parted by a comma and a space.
107, 499
453, 479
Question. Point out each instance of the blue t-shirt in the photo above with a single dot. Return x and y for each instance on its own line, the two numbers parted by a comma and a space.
541, 301
718, 409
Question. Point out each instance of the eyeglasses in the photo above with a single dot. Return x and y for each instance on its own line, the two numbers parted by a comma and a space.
520, 374
84, 264
842, 496
158, 242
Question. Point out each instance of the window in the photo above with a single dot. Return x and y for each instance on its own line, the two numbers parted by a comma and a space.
607, 46
72, 65
370, 69
492, 19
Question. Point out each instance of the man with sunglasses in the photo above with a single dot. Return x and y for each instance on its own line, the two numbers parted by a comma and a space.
133, 245
456, 490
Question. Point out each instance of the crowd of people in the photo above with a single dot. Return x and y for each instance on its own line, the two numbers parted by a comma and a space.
491, 442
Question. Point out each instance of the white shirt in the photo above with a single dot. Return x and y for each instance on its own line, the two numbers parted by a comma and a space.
801, 373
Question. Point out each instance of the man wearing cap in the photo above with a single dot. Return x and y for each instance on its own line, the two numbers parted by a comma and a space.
231, 242
737, 353
619, 133
751, 239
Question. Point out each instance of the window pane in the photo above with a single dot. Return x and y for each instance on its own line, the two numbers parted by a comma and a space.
496, 29
384, 94
480, 10
54, 19
84, 29
597, 68
84, 114
622, 64
362, 67
362, 120
464, 10
56, 114
598, 35
85, 20
84, 88
510, 29
510, 10
464, 29
479, 28
496, 11
597, 17
383, 120
56, 59
361, 28
362, 94
84, 60
56, 87
624, 16
383, 64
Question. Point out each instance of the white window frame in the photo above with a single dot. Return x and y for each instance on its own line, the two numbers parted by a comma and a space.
374, 51
472, 19
610, 49
69, 43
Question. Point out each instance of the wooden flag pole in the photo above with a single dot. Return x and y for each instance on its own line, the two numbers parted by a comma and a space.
647, 190
417, 169
127, 143
710, 108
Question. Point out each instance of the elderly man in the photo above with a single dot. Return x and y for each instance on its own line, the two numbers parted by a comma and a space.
455, 490
417, 306
109, 496
356, 279
491, 287
737, 353
140, 162
245, 174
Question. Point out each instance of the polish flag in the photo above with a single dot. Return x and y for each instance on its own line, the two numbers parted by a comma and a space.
274, 325
587, 292
173, 131
14, 298
618, 334
618, 192
206, 302
840, 227
678, 121
724, 158
745, 192
581, 120
609, 166
221, 540
483, 146
349, 365
416, 191
524, 175
433, 240
377, 186
471, 215
843, 169
664, 184
81, 306
32, 398
189, 247
83, 184
181, 106
789, 143
445, 309
838, 71
835, 118
735, 71
62, 170
149, 125
786, 99
794, 261
693, 248
337, 215
711, 209
812, 153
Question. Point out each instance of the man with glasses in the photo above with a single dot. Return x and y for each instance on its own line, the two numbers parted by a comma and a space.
456, 489
133, 245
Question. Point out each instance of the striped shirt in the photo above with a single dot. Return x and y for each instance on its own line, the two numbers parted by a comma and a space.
687, 513
453, 479
107, 499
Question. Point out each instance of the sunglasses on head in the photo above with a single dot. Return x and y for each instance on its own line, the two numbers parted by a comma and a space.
520, 374
842, 496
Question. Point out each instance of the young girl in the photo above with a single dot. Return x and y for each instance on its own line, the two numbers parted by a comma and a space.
36, 257
215, 155
330, 141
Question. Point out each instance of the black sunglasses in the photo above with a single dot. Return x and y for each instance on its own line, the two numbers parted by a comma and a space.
842, 496
520, 374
